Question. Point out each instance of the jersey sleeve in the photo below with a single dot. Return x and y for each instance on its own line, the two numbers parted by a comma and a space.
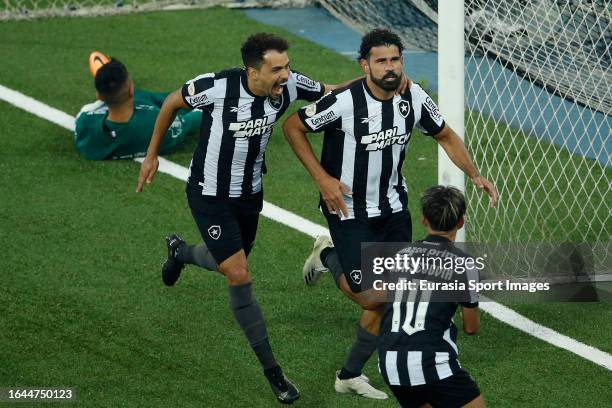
471, 275
199, 92
89, 138
306, 88
321, 115
431, 121
91, 142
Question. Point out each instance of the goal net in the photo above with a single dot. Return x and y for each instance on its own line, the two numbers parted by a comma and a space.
538, 91
539, 87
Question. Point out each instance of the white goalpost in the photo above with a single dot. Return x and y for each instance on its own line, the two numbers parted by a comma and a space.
451, 98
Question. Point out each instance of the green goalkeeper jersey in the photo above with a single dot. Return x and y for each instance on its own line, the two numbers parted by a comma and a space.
98, 138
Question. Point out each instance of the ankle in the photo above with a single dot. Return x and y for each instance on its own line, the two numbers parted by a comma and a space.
345, 374
272, 371
323, 256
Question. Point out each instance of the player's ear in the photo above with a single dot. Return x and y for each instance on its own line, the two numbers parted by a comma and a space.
252, 73
460, 223
364, 66
424, 221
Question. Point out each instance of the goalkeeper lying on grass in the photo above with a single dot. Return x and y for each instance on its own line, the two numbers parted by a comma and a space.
120, 123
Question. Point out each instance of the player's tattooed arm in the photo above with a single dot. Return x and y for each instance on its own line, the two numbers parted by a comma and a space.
332, 190
458, 153
166, 116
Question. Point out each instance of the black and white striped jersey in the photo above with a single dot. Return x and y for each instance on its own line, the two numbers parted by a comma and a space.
236, 127
417, 343
365, 142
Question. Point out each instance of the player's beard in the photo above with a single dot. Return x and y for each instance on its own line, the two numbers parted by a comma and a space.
388, 85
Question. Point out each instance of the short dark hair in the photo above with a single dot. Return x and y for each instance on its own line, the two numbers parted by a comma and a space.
443, 207
257, 45
376, 38
110, 80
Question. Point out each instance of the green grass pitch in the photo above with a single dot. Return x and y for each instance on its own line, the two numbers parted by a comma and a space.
82, 304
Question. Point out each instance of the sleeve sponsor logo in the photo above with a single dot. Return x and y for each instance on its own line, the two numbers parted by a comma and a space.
384, 138
310, 110
307, 82
322, 119
191, 89
433, 110
198, 100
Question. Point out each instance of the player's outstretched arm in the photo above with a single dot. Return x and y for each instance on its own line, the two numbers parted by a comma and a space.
332, 189
331, 87
471, 319
167, 113
458, 153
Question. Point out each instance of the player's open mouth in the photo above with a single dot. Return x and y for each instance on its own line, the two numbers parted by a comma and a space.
278, 88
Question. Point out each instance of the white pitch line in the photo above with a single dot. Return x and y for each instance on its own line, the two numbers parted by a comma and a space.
301, 224
512, 318
270, 210
37, 108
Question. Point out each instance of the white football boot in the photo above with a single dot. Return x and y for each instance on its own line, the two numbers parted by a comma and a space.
313, 267
360, 386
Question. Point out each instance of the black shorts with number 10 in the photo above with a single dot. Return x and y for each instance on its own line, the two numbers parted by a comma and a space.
227, 225
348, 235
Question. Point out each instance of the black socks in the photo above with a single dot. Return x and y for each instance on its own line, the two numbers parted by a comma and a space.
329, 258
364, 346
197, 255
248, 315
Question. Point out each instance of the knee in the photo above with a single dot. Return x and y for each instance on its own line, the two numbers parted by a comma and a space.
238, 275
372, 300
369, 304
365, 302
368, 300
